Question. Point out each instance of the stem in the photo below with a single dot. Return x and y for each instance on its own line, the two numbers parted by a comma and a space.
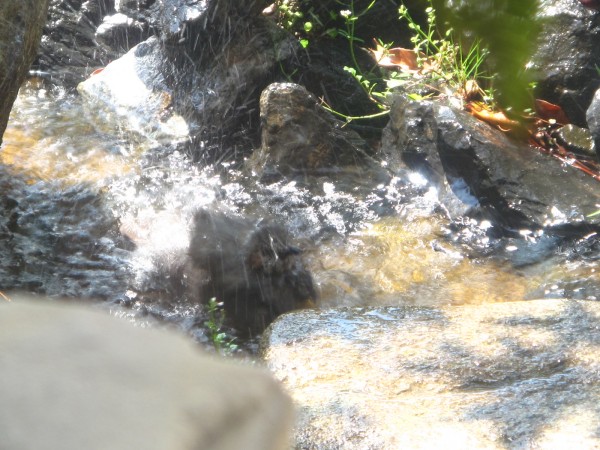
351, 118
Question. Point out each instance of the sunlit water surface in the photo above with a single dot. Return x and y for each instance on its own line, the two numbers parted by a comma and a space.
359, 256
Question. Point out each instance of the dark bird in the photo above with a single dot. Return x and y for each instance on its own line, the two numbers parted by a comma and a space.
592, 4
252, 268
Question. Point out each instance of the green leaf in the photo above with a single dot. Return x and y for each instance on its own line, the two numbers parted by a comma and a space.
597, 213
509, 30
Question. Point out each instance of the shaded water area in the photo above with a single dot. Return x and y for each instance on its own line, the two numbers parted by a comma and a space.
97, 214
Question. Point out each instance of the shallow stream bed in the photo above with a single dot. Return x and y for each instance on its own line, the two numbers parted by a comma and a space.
93, 213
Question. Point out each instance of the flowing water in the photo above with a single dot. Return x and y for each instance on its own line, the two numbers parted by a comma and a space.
93, 213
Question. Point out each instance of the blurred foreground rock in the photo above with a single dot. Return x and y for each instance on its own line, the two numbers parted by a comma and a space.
496, 376
76, 379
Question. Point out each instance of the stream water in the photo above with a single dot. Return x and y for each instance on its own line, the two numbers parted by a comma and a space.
93, 213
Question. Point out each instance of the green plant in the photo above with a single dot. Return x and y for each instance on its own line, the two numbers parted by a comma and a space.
444, 65
510, 30
222, 341
292, 19
444, 58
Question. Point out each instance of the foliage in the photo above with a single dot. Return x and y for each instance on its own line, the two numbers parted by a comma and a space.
508, 29
441, 63
292, 19
453, 63
222, 341
464, 45
597, 213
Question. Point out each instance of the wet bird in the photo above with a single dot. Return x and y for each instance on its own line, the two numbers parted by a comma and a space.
252, 268
592, 4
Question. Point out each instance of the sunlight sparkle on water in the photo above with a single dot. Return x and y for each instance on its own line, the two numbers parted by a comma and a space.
417, 179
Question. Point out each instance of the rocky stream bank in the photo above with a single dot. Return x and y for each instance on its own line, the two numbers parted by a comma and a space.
452, 272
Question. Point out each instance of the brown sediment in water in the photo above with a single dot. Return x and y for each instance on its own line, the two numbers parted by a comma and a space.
393, 262
58, 145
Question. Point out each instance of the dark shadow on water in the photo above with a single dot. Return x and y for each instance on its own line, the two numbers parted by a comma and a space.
535, 386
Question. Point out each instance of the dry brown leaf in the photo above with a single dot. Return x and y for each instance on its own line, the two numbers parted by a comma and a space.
402, 58
496, 118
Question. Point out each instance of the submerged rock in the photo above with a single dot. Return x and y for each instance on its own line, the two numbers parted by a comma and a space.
476, 167
495, 376
60, 241
74, 378
252, 268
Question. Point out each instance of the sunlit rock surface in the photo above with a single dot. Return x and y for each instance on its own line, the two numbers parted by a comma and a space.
593, 121
131, 94
77, 379
121, 31
299, 136
497, 376
477, 167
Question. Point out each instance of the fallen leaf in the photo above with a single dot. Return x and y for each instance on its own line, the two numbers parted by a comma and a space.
496, 118
550, 112
403, 58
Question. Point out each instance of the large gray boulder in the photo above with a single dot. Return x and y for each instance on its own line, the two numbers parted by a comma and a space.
77, 379
497, 376
20, 34
478, 169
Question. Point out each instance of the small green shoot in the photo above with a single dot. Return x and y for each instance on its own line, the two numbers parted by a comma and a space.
594, 214
222, 341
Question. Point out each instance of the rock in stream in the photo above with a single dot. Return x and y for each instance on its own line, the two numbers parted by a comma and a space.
497, 376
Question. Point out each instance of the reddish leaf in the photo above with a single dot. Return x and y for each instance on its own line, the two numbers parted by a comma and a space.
550, 112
